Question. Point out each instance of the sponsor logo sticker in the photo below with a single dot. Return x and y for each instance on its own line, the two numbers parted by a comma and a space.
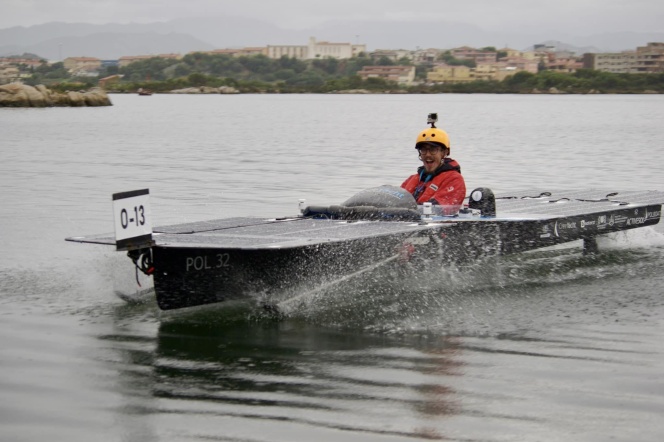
561, 226
638, 220
653, 214
601, 222
587, 223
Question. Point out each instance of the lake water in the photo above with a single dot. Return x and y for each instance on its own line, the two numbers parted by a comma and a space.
547, 346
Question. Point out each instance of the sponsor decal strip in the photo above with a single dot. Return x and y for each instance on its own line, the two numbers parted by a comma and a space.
582, 225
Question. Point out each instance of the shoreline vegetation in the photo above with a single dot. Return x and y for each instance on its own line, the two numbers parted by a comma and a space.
580, 82
218, 73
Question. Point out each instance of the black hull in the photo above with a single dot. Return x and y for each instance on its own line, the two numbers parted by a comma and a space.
187, 277
263, 259
191, 276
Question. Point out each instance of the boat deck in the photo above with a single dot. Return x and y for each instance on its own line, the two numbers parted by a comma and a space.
550, 204
250, 233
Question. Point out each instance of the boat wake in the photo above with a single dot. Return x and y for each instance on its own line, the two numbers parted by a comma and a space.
489, 294
484, 297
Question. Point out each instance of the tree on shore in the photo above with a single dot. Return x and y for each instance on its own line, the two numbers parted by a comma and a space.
290, 75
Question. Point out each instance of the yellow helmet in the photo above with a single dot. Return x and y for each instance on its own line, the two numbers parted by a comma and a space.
433, 135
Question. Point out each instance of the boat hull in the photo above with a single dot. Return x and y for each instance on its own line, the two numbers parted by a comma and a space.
186, 277
268, 259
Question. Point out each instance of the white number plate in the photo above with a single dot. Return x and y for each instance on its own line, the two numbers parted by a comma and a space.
131, 213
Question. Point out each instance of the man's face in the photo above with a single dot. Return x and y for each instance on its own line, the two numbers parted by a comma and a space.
431, 156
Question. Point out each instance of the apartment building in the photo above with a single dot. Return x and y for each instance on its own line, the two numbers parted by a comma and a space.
316, 49
614, 62
512, 53
517, 64
426, 56
403, 75
493, 71
486, 71
647, 59
242, 52
567, 65
291, 51
479, 56
444, 73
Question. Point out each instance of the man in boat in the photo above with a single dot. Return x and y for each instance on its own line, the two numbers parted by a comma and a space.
438, 180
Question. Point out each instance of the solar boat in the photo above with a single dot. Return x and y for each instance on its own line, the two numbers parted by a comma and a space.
240, 258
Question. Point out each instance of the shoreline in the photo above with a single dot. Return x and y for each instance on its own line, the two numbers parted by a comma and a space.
367, 92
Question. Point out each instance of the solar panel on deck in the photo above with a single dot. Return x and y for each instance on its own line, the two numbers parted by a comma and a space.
292, 234
570, 202
253, 232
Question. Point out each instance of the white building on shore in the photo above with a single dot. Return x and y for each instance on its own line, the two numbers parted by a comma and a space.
316, 49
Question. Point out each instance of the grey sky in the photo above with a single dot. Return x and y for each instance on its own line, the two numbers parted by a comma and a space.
581, 17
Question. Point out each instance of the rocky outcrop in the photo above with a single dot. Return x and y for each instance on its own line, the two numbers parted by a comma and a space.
22, 95
206, 90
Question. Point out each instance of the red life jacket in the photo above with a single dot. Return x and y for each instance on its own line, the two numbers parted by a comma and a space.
445, 186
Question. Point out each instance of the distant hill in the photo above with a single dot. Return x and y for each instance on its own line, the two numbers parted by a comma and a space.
57, 40
447, 35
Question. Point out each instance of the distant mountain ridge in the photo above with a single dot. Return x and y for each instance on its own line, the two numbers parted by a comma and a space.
57, 40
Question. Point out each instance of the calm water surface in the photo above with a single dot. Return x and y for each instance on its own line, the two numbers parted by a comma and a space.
546, 346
